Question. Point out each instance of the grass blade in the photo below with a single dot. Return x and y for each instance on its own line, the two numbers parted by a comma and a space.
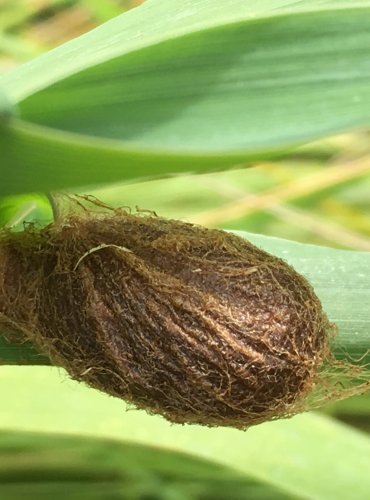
220, 90
308, 456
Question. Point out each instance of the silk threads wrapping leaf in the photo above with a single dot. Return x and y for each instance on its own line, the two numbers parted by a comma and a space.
339, 277
291, 455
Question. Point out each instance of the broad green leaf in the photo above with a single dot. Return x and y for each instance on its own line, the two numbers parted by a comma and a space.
307, 456
171, 87
35, 465
35, 158
152, 23
250, 86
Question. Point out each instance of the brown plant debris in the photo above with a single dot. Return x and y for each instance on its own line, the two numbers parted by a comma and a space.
197, 325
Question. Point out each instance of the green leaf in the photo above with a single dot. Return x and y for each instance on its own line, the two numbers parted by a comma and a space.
39, 465
176, 86
15, 211
152, 23
307, 456
35, 158
250, 86
6, 107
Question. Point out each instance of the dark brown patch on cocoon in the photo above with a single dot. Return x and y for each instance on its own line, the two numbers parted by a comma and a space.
195, 324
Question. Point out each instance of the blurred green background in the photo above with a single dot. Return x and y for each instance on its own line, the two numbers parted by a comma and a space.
319, 194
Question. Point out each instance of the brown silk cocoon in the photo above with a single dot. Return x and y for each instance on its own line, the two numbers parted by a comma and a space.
197, 325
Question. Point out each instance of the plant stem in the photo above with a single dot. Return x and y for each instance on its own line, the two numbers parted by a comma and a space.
54, 205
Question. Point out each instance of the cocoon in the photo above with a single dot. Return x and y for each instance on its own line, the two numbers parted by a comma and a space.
197, 325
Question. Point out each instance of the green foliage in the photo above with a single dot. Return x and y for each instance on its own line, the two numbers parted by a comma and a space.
169, 88
308, 456
5, 107
14, 210
36, 464
217, 85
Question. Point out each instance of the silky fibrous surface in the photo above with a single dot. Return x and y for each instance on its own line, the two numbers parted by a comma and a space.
195, 324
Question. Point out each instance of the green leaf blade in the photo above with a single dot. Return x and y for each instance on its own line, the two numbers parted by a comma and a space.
162, 20
50, 465
240, 88
292, 455
6, 108
36, 159
206, 97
